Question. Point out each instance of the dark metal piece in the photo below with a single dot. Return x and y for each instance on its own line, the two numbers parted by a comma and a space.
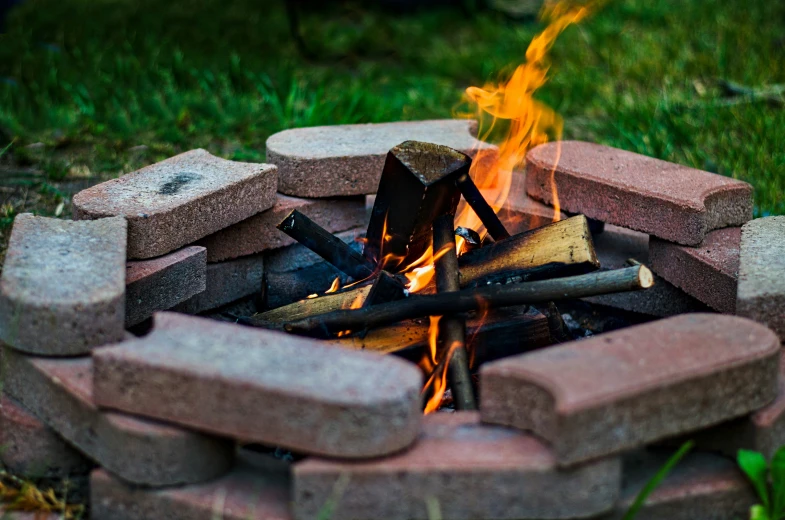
481, 207
385, 288
417, 185
490, 297
452, 328
326, 245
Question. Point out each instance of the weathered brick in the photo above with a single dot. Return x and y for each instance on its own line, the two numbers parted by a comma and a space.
762, 430
708, 272
667, 200
631, 387
245, 493
330, 161
613, 247
701, 486
259, 233
62, 291
32, 449
177, 201
286, 391
470, 470
60, 393
227, 282
161, 283
761, 290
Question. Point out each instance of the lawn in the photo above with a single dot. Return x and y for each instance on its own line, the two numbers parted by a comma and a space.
90, 89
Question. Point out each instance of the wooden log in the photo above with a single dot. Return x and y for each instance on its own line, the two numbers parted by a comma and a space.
562, 248
326, 245
385, 288
452, 329
417, 185
603, 282
345, 299
481, 207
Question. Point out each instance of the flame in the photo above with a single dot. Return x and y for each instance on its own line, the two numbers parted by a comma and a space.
335, 285
528, 122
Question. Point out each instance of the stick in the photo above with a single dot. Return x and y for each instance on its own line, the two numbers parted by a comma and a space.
593, 284
326, 245
452, 328
481, 207
385, 288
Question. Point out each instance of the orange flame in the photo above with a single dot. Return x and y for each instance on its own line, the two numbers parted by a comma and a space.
335, 285
528, 122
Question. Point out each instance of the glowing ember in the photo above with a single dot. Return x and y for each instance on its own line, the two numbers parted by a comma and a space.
335, 285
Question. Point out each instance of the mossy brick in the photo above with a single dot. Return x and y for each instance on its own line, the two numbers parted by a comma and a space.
177, 201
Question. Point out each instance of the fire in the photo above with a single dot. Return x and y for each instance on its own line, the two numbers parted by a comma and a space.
335, 285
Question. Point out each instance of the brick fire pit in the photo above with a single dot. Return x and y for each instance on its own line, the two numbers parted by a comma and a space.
126, 372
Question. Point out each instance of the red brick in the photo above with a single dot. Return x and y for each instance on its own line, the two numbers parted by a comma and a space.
259, 233
62, 290
330, 161
762, 430
667, 200
243, 494
470, 470
161, 283
631, 387
761, 289
60, 393
284, 390
709, 271
613, 247
177, 201
226, 282
32, 449
701, 486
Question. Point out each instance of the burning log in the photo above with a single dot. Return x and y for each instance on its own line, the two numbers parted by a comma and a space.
484, 211
417, 185
471, 239
493, 296
326, 245
347, 299
452, 328
385, 288
493, 335
563, 248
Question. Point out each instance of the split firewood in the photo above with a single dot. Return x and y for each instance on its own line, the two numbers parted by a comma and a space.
417, 185
492, 296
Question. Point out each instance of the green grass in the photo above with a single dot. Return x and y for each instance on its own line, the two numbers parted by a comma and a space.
95, 79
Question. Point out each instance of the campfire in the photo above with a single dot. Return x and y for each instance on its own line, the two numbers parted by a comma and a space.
417, 263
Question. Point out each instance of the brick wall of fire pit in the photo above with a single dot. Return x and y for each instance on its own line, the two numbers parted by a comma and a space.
213, 339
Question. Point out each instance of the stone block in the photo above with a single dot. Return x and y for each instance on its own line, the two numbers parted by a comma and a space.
259, 233
227, 282
243, 494
31, 449
331, 161
62, 291
161, 283
466, 469
284, 390
701, 486
613, 247
709, 271
628, 388
60, 393
667, 200
761, 289
175, 202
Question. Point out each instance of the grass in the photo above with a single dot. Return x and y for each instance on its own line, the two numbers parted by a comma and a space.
108, 86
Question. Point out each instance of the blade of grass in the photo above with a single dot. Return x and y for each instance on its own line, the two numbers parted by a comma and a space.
655, 481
